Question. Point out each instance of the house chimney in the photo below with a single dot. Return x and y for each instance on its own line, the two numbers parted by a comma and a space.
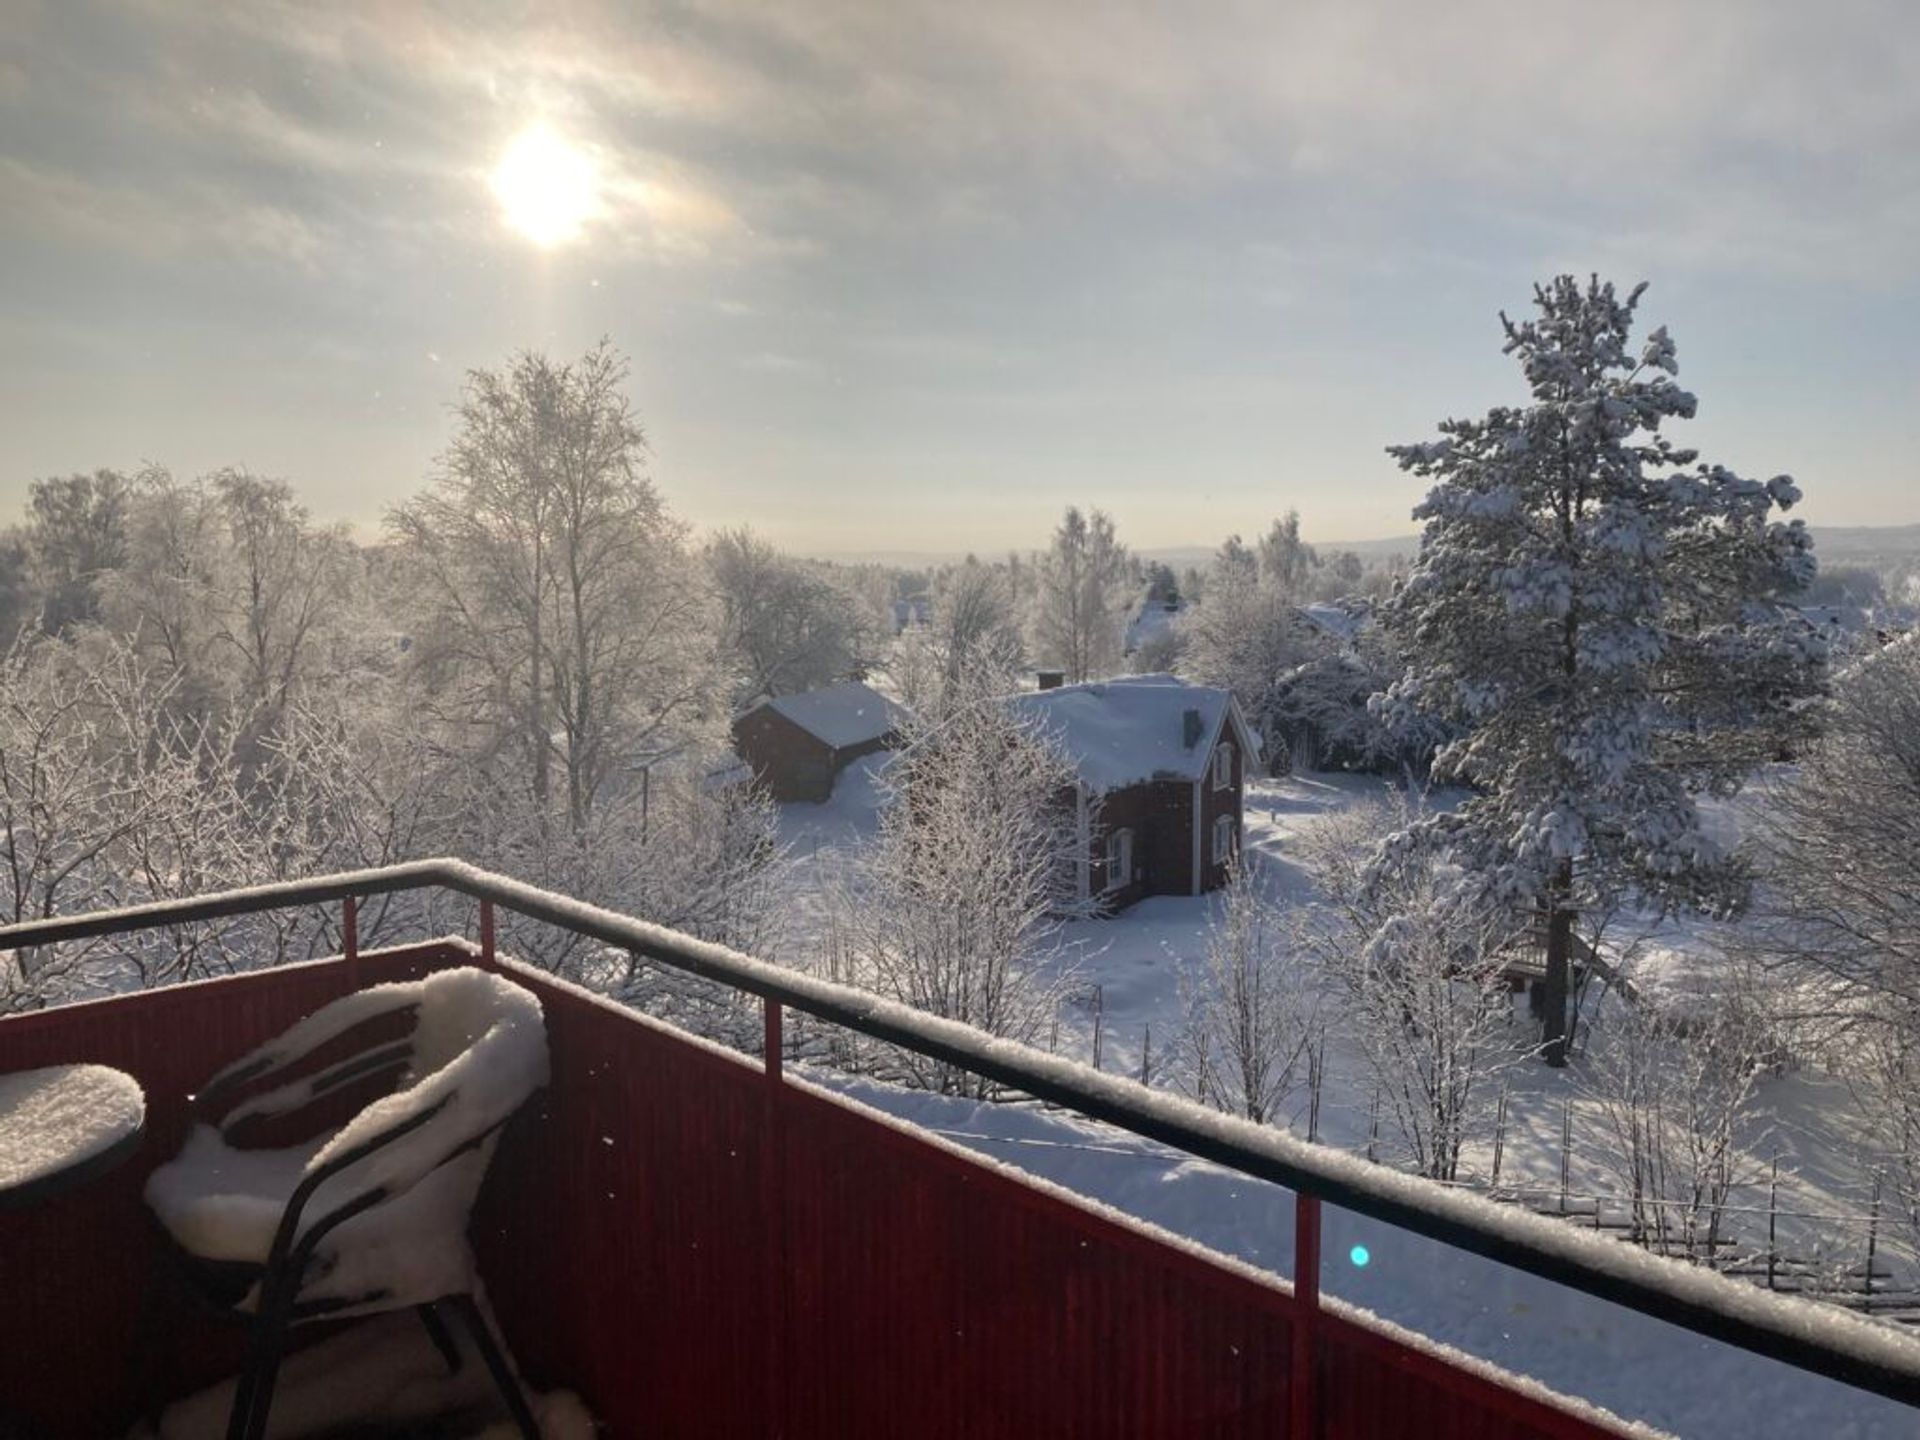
1190, 729
1049, 679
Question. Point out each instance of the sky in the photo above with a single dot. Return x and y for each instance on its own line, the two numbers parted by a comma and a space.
915, 275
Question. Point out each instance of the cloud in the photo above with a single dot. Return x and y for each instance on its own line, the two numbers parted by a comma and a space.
970, 216
803, 126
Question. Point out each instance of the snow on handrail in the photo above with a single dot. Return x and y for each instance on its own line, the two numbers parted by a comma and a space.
1797, 1332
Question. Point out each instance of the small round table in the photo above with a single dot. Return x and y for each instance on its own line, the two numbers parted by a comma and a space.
64, 1125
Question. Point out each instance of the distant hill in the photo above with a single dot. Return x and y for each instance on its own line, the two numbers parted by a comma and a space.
1874, 546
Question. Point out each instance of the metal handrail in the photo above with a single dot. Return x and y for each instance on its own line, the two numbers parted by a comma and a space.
1810, 1337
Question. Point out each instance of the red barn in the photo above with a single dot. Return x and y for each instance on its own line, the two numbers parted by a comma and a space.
1161, 766
796, 744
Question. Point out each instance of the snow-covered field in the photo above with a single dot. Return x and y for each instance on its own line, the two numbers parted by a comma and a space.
1634, 1366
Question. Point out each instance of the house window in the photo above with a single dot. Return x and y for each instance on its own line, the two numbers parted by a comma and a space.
1119, 858
1226, 836
1223, 767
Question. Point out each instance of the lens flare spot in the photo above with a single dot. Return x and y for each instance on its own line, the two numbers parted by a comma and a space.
1360, 1255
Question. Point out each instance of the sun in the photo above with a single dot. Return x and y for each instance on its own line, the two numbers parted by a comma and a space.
546, 186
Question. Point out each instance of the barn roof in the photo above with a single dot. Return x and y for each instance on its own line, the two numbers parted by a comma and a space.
840, 715
1131, 730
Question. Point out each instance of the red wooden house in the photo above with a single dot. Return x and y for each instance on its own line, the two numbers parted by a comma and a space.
796, 744
1162, 765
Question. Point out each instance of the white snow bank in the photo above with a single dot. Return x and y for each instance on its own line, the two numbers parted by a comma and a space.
478, 1051
61, 1116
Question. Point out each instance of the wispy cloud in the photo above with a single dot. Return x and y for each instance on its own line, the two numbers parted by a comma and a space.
965, 214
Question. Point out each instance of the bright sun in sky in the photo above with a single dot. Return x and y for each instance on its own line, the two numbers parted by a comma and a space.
546, 187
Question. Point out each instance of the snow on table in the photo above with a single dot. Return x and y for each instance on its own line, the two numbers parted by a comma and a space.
60, 1117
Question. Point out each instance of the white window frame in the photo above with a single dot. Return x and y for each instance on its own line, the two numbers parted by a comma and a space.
1223, 766
1226, 836
1119, 866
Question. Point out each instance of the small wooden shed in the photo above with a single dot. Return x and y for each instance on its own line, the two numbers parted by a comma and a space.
796, 744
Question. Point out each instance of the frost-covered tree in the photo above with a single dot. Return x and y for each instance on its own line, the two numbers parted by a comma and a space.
1252, 1017
1080, 597
1413, 965
954, 907
1836, 843
278, 577
1675, 1090
1247, 634
1163, 586
76, 533
229, 585
1601, 616
109, 797
974, 631
784, 626
562, 616
1286, 561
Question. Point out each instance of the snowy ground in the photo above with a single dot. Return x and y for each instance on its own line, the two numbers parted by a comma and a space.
1634, 1366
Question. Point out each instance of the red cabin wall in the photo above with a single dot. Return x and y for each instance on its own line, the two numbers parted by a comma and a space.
1160, 814
1215, 803
787, 762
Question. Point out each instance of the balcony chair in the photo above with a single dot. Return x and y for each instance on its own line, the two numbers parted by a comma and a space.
369, 1216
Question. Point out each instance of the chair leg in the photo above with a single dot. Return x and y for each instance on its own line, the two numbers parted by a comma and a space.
496, 1362
437, 1332
253, 1397
143, 1391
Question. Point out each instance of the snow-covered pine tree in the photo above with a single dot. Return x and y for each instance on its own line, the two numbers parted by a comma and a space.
1601, 614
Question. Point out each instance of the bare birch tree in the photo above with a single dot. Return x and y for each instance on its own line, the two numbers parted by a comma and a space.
1080, 597
1253, 1018
1414, 956
954, 908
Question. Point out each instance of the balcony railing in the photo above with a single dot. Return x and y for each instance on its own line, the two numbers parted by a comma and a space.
1324, 1352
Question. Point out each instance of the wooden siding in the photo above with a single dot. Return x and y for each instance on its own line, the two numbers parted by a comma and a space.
787, 762
1160, 814
1215, 803
791, 763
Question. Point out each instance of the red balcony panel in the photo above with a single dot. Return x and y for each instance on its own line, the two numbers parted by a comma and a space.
623, 1234
700, 1250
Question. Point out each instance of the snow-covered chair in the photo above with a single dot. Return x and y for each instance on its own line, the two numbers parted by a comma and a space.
369, 1216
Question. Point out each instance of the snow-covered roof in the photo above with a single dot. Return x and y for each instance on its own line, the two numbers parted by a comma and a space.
1126, 731
1335, 620
849, 713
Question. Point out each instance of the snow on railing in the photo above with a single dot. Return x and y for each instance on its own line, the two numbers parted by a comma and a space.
1799, 1333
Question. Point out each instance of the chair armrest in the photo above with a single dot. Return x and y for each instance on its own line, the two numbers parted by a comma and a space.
293, 1247
288, 1230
